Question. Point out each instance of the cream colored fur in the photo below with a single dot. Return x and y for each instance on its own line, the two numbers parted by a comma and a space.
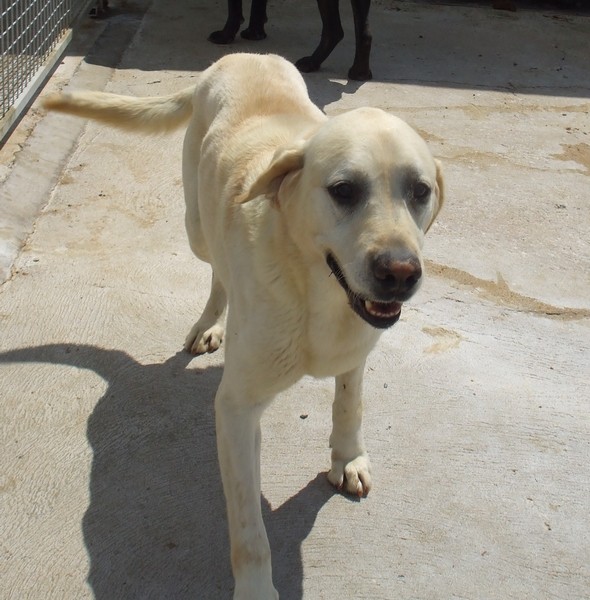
260, 162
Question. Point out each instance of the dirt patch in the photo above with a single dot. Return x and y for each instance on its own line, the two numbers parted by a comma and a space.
578, 153
444, 339
499, 292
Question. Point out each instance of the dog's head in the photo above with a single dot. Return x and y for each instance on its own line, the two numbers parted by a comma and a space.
361, 191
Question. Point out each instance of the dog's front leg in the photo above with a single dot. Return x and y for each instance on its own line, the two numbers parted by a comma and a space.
360, 70
238, 446
351, 469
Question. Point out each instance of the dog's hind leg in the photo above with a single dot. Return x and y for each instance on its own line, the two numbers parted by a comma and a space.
351, 469
255, 30
206, 334
332, 33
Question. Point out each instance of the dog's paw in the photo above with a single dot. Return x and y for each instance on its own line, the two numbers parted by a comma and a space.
254, 34
202, 342
227, 34
352, 476
308, 64
360, 73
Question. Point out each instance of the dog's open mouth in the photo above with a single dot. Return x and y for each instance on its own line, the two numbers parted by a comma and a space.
378, 314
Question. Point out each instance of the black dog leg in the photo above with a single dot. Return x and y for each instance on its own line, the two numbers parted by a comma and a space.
360, 70
100, 9
232, 25
255, 30
331, 34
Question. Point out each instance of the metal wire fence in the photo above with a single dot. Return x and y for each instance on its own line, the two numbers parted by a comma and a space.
30, 33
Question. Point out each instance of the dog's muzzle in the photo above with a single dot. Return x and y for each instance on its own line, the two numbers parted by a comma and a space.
376, 313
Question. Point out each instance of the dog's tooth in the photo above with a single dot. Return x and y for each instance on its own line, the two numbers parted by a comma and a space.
393, 308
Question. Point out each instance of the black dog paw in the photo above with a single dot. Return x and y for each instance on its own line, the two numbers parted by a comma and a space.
360, 74
222, 37
254, 34
307, 64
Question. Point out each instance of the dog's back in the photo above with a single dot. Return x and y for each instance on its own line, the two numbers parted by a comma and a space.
250, 84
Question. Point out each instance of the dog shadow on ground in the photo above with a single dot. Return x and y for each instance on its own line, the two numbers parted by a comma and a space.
156, 526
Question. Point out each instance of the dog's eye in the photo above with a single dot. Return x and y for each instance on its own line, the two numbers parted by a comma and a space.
421, 191
344, 192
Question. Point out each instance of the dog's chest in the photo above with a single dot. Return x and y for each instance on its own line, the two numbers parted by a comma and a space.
322, 341
336, 342
317, 333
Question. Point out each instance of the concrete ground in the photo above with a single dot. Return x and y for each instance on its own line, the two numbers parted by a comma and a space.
477, 401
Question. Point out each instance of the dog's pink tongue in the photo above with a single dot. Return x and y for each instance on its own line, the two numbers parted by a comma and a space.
383, 309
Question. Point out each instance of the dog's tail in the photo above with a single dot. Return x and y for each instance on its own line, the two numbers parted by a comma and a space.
152, 115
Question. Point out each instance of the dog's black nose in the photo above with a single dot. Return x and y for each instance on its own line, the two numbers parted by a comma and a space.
396, 273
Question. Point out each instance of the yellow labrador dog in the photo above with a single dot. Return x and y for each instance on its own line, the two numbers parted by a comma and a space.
313, 227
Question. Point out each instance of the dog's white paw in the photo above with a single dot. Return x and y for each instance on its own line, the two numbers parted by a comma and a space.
201, 342
352, 476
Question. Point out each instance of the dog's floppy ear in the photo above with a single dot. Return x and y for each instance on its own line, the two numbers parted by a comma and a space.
285, 161
440, 192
